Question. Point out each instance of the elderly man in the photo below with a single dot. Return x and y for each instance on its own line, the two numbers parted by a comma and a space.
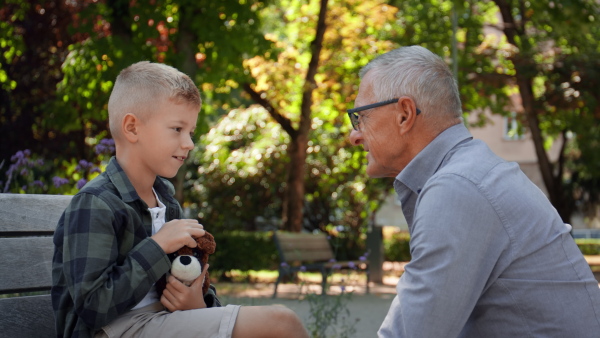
490, 255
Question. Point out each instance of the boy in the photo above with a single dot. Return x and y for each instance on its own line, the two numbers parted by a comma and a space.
112, 241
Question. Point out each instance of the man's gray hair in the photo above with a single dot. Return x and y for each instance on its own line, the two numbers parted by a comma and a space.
141, 86
418, 73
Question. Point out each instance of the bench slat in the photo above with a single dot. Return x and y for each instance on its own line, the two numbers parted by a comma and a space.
26, 317
31, 212
26, 264
304, 247
308, 256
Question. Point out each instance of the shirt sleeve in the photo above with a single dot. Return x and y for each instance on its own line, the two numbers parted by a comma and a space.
104, 276
456, 240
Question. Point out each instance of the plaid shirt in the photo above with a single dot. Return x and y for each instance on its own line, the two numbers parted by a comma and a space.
104, 260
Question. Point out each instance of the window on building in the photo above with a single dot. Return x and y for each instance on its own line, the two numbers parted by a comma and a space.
513, 130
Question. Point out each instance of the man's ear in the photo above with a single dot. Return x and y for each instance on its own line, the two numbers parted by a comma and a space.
129, 127
407, 114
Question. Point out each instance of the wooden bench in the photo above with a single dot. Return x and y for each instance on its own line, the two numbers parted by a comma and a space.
310, 252
27, 223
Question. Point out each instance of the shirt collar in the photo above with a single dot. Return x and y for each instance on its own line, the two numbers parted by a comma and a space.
123, 185
428, 161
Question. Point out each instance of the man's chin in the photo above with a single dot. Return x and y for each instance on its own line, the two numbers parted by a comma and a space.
379, 172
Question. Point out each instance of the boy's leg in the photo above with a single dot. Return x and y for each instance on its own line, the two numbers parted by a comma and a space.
267, 322
153, 321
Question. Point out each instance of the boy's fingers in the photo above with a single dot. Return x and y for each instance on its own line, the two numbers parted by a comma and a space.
175, 284
167, 303
191, 242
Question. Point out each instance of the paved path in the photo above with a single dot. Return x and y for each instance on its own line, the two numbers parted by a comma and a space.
370, 310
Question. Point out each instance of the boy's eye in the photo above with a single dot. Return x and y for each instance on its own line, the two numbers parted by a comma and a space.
177, 129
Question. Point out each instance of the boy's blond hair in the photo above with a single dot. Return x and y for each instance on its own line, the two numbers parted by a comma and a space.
142, 85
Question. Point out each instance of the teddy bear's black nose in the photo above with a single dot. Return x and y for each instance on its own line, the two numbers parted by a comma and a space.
185, 260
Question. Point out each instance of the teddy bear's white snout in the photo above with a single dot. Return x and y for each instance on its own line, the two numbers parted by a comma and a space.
186, 268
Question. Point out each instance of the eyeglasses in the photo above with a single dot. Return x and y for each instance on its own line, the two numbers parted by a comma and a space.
352, 113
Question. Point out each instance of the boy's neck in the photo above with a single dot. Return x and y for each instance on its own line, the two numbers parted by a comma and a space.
142, 184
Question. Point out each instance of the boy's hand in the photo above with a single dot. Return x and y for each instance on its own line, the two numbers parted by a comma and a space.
178, 233
178, 296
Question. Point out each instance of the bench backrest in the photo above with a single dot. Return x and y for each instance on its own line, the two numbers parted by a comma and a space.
303, 247
27, 223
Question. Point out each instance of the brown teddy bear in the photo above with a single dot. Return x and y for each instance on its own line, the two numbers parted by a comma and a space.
187, 263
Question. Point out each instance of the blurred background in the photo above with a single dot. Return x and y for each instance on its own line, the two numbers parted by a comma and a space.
276, 78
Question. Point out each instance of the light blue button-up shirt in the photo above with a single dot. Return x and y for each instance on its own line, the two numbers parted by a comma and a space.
490, 255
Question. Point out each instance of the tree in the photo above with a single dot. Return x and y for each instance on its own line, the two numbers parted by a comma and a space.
55, 82
294, 196
535, 55
538, 48
337, 192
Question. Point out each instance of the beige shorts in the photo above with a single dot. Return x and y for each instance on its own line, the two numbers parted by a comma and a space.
155, 321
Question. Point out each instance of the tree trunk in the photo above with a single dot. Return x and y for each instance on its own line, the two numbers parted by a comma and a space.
294, 199
551, 173
293, 204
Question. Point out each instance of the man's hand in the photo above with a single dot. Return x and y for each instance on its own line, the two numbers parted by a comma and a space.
178, 233
178, 296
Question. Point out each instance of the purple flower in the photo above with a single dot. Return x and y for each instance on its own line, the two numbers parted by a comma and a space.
59, 181
284, 265
19, 155
83, 165
332, 260
27, 152
336, 267
81, 183
362, 258
106, 146
302, 268
95, 170
37, 183
340, 228
351, 265
24, 172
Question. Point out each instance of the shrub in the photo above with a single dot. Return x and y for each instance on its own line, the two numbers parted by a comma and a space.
244, 250
396, 248
588, 246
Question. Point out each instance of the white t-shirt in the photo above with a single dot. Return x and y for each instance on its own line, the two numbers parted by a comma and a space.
158, 220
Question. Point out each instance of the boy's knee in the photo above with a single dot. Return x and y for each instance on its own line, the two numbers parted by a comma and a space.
289, 322
268, 321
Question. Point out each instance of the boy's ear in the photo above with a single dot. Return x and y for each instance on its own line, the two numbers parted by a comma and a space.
130, 127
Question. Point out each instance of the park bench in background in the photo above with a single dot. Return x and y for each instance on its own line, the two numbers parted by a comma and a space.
310, 252
27, 223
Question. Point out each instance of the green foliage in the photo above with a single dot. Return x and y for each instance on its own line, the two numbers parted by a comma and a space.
397, 248
330, 316
241, 171
240, 250
30, 173
588, 246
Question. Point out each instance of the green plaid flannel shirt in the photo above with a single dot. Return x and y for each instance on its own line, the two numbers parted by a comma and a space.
104, 260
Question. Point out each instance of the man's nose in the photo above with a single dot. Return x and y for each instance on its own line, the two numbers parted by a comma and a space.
356, 137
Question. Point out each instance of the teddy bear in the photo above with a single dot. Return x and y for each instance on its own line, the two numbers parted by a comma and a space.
187, 263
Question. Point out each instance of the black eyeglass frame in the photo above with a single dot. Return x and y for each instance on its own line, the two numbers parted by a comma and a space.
352, 113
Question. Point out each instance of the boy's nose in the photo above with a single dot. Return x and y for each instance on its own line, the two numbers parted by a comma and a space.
188, 143
356, 137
